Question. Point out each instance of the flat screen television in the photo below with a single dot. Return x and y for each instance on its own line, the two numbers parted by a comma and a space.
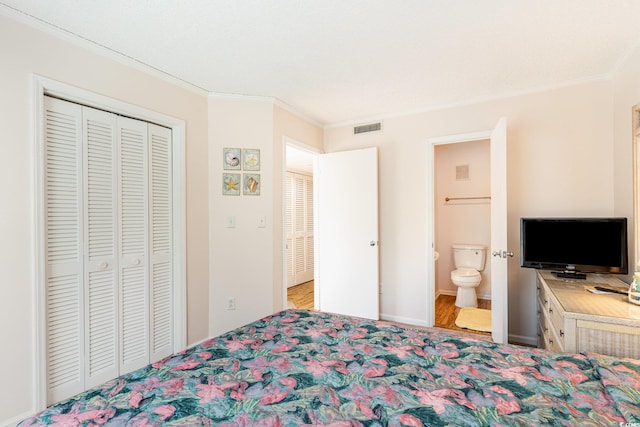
574, 246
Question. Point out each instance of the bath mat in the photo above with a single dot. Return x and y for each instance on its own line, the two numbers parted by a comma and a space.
477, 319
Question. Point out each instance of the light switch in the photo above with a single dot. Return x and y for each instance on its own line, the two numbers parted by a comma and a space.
262, 221
231, 222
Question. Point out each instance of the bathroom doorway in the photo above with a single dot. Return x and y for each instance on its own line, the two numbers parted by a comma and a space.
497, 253
462, 215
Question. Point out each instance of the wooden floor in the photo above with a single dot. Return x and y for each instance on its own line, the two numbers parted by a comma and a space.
446, 313
301, 295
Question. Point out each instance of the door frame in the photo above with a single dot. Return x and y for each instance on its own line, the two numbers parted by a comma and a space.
44, 86
315, 152
430, 228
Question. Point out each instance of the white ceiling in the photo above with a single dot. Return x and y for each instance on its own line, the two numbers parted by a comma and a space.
345, 61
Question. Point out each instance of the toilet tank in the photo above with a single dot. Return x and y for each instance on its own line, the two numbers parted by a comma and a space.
469, 256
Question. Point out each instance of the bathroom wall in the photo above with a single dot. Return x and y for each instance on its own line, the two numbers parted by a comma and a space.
461, 221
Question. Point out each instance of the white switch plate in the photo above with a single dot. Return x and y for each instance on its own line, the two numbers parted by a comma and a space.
231, 222
262, 221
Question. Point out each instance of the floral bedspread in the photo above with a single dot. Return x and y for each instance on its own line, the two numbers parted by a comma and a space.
308, 368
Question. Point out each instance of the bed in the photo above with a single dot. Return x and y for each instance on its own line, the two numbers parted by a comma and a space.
302, 367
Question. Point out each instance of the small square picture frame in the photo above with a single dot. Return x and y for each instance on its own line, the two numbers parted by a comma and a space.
231, 183
251, 159
231, 159
251, 184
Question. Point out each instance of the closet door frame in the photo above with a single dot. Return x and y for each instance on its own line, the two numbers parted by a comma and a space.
44, 86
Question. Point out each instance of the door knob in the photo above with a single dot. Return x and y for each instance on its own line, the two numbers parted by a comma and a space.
372, 243
502, 254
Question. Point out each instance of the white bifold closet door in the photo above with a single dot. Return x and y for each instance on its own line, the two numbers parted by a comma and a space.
108, 228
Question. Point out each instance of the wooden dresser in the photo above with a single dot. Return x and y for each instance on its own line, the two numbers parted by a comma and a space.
573, 320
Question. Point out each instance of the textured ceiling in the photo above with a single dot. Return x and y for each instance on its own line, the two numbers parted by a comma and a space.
342, 61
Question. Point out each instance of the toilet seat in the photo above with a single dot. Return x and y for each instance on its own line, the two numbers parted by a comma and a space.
466, 275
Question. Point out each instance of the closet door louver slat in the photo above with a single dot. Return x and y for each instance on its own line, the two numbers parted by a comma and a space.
63, 245
134, 226
101, 320
161, 331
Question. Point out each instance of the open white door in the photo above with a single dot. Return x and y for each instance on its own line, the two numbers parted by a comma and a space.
499, 251
346, 271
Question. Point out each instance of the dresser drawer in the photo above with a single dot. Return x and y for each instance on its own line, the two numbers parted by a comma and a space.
542, 294
556, 320
554, 343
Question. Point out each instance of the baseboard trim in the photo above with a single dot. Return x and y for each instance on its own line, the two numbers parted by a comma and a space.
446, 292
454, 293
521, 339
401, 319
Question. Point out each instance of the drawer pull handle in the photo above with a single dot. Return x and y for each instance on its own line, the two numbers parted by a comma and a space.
561, 333
551, 311
546, 301
546, 329
550, 341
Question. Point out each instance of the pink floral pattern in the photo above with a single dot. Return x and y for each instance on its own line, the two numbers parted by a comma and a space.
308, 368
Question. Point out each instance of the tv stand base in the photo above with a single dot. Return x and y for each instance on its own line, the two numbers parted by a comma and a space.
569, 275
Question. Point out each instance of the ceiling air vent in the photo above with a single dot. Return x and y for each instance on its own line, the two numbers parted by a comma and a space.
371, 127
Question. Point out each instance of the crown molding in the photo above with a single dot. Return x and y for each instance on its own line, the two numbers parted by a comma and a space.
470, 102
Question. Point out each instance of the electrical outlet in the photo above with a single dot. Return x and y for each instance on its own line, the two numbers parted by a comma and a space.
231, 303
231, 222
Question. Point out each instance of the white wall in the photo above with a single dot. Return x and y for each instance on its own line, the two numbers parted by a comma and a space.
560, 162
461, 221
246, 262
241, 258
26, 51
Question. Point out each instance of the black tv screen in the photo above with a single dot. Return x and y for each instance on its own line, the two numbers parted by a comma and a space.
583, 245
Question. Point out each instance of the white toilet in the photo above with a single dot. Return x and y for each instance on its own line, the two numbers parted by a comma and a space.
469, 261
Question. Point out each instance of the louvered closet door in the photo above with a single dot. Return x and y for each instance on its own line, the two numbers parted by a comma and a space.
108, 243
161, 256
288, 223
100, 257
63, 217
134, 226
303, 223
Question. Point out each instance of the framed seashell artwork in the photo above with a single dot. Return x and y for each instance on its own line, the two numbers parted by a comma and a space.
231, 159
230, 184
251, 184
251, 159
